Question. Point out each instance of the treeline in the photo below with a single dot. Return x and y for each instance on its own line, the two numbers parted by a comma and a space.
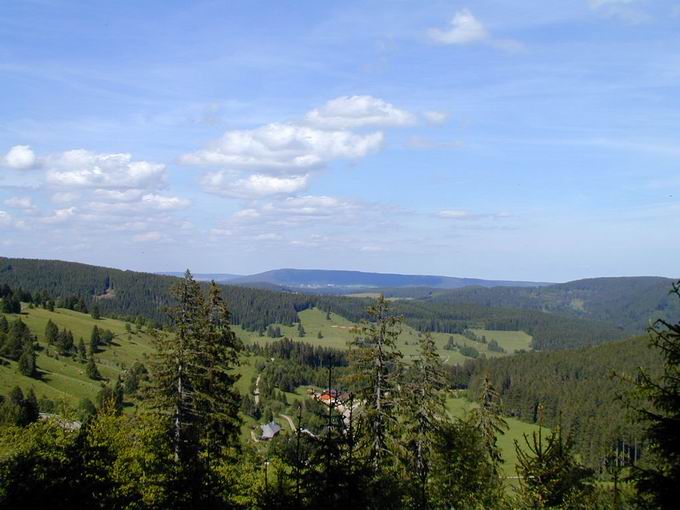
313, 356
128, 294
577, 389
630, 303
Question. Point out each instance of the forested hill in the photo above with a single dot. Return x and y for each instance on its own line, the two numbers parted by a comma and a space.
128, 293
627, 302
574, 388
339, 282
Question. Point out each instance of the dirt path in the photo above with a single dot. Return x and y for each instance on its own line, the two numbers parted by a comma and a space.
290, 421
257, 390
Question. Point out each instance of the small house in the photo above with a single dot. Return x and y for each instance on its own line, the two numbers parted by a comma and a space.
270, 430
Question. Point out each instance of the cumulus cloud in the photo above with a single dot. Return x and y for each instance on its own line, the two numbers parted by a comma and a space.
284, 148
464, 29
5, 219
164, 203
84, 169
281, 157
148, 237
358, 111
463, 215
129, 195
65, 197
20, 157
20, 203
435, 117
254, 186
60, 215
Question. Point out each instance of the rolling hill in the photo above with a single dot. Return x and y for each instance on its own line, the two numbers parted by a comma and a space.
342, 282
627, 302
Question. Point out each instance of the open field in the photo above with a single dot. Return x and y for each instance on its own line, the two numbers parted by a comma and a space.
459, 407
337, 333
63, 377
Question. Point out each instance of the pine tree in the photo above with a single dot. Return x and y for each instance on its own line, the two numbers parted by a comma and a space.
193, 387
51, 332
424, 412
95, 339
82, 351
376, 363
26, 361
658, 480
91, 369
489, 420
549, 475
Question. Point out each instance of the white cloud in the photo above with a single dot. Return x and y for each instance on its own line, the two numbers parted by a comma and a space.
5, 219
285, 148
461, 214
436, 118
20, 203
148, 237
226, 184
358, 111
454, 214
65, 197
129, 195
20, 157
84, 169
164, 203
60, 215
465, 29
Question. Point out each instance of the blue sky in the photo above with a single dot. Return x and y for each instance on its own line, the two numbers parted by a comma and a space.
493, 139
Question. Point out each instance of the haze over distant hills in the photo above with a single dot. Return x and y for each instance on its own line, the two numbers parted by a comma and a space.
342, 282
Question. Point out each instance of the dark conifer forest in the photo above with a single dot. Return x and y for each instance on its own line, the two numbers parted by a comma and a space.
316, 426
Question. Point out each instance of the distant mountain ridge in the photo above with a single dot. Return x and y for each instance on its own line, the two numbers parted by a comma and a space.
205, 277
342, 281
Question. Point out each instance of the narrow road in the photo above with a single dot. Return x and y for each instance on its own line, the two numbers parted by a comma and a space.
289, 420
257, 390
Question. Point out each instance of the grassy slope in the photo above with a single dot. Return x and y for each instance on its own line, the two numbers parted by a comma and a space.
63, 378
337, 333
459, 407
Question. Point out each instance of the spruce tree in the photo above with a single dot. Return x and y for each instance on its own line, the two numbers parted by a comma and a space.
300, 330
376, 363
26, 361
51, 332
91, 369
193, 388
95, 339
423, 412
82, 351
95, 312
489, 420
659, 477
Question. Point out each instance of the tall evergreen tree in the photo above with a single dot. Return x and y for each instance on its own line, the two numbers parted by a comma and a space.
51, 332
26, 362
549, 474
423, 412
376, 366
91, 369
488, 417
659, 478
193, 387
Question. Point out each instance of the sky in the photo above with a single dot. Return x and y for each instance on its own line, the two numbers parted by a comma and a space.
493, 139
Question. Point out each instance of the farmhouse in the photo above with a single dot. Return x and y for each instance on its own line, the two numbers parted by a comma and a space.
270, 430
